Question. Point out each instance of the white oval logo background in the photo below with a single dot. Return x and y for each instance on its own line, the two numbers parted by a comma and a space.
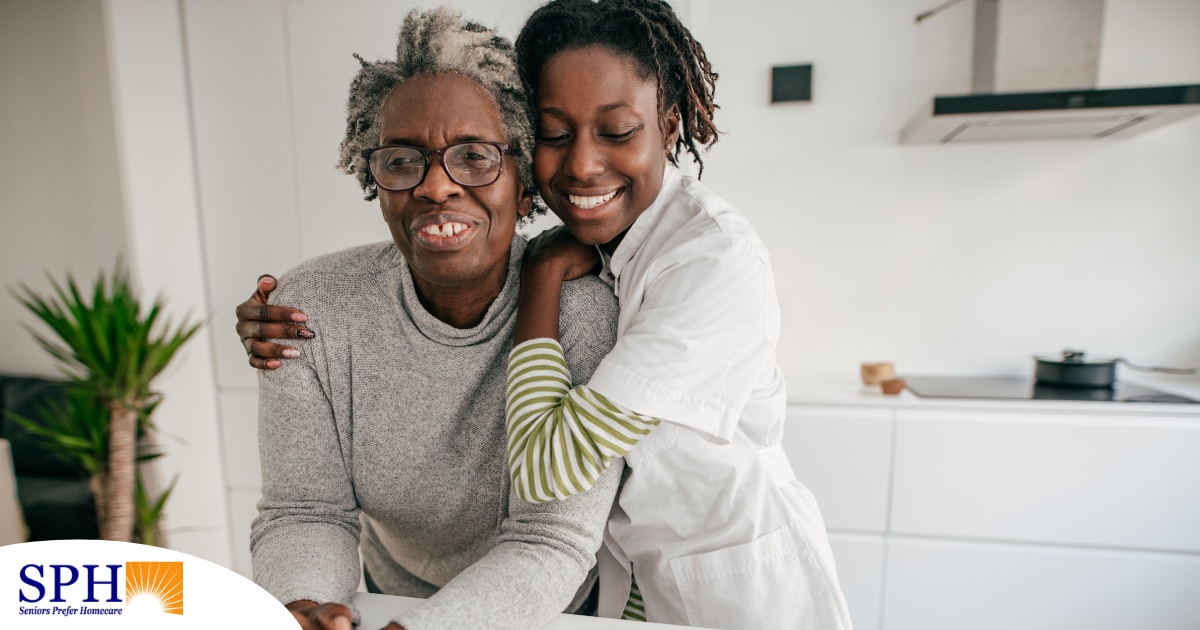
213, 596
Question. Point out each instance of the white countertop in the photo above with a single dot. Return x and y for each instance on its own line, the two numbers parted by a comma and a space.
847, 391
377, 611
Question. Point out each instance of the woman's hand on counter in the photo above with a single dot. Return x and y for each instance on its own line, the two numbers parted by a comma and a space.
313, 616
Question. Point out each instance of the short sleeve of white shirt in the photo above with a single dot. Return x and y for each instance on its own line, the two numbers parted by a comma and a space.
689, 355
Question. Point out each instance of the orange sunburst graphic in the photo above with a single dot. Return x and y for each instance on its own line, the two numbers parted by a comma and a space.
162, 580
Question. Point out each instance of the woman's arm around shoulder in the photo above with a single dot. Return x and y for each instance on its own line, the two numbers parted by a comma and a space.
587, 324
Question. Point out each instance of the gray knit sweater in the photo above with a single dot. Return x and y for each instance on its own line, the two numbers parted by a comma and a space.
392, 425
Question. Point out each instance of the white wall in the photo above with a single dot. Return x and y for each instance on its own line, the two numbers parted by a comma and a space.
154, 131
954, 259
60, 207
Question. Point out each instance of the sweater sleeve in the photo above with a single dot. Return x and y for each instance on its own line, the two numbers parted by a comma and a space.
541, 557
561, 439
304, 543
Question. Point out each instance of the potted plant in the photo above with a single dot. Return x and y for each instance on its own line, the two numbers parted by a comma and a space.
110, 350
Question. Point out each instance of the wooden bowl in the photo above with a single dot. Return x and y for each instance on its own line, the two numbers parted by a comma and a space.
892, 386
876, 373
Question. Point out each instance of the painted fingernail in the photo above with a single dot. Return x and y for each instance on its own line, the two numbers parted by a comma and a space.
273, 363
291, 353
342, 623
306, 333
266, 280
299, 317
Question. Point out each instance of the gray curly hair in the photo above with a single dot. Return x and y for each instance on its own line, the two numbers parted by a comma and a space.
435, 41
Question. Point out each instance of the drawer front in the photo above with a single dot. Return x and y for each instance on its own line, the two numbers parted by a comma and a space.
937, 585
1130, 482
843, 454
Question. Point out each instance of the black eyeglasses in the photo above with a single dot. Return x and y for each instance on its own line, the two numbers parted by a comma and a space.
471, 164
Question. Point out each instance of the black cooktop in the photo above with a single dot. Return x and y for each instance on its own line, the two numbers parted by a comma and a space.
1027, 389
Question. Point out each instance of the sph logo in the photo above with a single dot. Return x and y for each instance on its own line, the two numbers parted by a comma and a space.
156, 583
34, 575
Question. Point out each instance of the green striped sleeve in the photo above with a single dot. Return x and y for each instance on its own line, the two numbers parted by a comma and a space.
560, 438
635, 607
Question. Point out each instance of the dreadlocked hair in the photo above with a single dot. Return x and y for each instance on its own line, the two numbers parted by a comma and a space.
649, 33
431, 42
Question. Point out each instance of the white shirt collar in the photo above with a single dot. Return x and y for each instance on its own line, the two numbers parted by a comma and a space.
645, 223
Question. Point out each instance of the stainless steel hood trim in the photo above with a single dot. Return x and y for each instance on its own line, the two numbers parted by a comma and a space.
1094, 114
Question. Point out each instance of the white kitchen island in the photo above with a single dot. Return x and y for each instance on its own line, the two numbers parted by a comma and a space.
990, 514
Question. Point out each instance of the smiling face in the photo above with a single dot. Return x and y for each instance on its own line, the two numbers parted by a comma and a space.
600, 151
454, 237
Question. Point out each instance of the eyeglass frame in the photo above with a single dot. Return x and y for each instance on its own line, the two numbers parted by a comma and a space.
441, 153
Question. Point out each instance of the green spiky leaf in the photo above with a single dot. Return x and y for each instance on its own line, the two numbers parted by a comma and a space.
111, 349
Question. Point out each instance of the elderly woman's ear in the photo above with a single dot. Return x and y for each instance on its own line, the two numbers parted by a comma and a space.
525, 205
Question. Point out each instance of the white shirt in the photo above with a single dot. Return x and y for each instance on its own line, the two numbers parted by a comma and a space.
710, 517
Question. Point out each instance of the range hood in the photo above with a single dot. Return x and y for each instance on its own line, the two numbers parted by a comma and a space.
1034, 67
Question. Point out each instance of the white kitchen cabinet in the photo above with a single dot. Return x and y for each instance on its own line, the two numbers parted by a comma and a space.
843, 454
860, 573
948, 585
986, 514
1129, 481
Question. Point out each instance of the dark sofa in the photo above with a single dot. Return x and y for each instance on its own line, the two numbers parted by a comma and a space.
54, 496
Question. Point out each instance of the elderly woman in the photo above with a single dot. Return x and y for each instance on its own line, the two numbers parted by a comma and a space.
387, 436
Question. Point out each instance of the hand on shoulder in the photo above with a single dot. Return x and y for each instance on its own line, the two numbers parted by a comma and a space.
558, 254
258, 321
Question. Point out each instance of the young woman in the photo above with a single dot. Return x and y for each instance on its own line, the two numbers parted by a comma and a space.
711, 528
